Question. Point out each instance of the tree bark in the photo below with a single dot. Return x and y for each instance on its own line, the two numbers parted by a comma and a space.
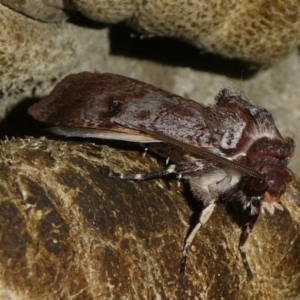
70, 231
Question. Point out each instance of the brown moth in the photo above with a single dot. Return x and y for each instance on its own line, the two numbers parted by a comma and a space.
232, 147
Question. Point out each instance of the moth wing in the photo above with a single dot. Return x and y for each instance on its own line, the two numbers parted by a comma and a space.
113, 102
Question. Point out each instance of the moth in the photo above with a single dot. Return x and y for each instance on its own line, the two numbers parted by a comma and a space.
232, 147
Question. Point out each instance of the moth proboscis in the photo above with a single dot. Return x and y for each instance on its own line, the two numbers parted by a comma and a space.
231, 146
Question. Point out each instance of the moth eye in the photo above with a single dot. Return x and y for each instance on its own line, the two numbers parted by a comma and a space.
258, 184
255, 187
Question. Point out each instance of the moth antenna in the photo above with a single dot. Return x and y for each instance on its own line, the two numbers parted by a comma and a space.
202, 152
204, 217
244, 238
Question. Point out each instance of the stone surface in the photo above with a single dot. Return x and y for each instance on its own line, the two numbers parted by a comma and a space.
43, 10
70, 231
261, 31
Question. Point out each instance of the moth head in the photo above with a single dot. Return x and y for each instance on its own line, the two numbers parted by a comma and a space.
276, 178
270, 157
264, 193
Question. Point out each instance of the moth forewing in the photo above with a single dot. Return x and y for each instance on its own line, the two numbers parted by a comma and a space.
232, 145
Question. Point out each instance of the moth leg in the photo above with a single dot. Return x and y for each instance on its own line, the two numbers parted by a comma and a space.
168, 157
145, 152
205, 215
244, 238
178, 177
167, 160
171, 169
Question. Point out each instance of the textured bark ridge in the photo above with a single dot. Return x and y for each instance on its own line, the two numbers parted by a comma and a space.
70, 231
